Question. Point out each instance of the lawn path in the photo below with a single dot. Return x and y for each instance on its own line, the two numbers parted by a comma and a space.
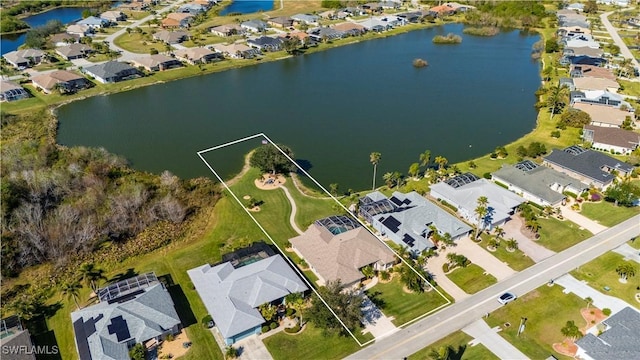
294, 209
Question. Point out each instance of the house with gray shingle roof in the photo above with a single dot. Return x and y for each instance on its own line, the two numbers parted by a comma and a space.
24, 58
592, 167
94, 22
611, 139
131, 311
171, 37
538, 184
232, 295
463, 192
408, 219
112, 71
255, 25
266, 43
619, 340
74, 51
15, 340
10, 91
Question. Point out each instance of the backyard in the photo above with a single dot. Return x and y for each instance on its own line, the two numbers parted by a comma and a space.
459, 343
471, 278
311, 343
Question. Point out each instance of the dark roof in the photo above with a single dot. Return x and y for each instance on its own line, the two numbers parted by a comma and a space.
614, 136
108, 69
619, 341
588, 163
266, 41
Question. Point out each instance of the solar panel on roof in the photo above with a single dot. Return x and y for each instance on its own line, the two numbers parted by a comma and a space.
575, 150
526, 165
392, 224
120, 328
396, 201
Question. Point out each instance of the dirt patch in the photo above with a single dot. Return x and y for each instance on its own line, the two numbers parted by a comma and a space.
247, 197
254, 209
588, 317
270, 182
174, 347
407, 290
567, 348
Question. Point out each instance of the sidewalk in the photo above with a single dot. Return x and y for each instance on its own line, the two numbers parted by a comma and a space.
483, 334
583, 290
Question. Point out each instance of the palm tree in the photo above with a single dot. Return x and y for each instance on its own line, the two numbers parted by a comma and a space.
425, 158
441, 161
533, 225
625, 271
571, 330
91, 274
268, 311
297, 303
414, 169
481, 211
374, 158
440, 354
556, 99
589, 300
512, 244
493, 243
72, 289
368, 272
498, 231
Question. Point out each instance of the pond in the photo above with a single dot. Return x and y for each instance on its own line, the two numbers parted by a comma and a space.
247, 6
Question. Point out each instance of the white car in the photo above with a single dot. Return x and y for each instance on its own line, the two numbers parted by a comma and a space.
506, 298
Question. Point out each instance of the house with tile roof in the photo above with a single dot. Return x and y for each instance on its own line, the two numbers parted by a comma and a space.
591, 71
137, 310
592, 83
589, 166
232, 295
463, 191
171, 37
614, 338
603, 115
539, 184
281, 22
80, 30
409, 219
227, 30
178, 19
66, 81
157, 62
236, 51
113, 16
338, 247
611, 139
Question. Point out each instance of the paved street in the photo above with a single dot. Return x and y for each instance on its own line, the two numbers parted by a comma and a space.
455, 317
483, 334
624, 50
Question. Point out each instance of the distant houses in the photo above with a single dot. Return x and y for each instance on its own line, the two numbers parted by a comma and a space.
74, 51
254, 26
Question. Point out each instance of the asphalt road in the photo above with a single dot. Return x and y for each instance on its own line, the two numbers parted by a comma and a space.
434, 327
624, 50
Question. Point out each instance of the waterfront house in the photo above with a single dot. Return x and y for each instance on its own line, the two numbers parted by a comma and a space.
591, 167
280, 21
603, 115
409, 219
582, 60
157, 62
265, 43
457, 7
15, 340
582, 50
232, 293
197, 55
614, 338
171, 37
192, 8
80, 30
611, 139
595, 84
305, 19
227, 30
10, 91
442, 10
255, 26
462, 192
112, 71
113, 16
338, 247
325, 34
539, 184
564, 30
302, 36
74, 51
63, 39
174, 20
411, 17
94, 22
350, 29
600, 97
64, 80
24, 58
591, 71
236, 51
136, 310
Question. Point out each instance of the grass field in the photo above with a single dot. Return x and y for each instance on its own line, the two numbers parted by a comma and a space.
559, 235
459, 343
394, 301
472, 278
607, 213
601, 272
311, 343
543, 323
517, 260
138, 43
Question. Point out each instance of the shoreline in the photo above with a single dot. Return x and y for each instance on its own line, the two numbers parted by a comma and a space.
26, 15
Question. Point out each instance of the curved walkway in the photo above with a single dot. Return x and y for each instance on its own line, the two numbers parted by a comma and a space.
294, 210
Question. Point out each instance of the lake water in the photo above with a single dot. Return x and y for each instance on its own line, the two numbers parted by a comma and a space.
333, 108
66, 15
247, 6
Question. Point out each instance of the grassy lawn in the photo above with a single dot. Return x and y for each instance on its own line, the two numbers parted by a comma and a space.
311, 209
472, 278
559, 235
137, 43
311, 343
458, 341
544, 322
607, 213
635, 243
394, 301
601, 272
517, 260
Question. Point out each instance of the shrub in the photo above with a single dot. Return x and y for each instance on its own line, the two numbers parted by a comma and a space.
265, 329
170, 337
482, 31
445, 267
206, 320
486, 175
384, 275
448, 39
292, 330
420, 63
555, 134
595, 197
606, 311
273, 325
290, 312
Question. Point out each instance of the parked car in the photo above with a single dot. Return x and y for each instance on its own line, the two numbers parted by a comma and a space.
506, 298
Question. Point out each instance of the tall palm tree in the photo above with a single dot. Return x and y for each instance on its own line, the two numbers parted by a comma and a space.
374, 158
498, 231
441, 161
557, 99
625, 271
425, 158
481, 211
72, 290
91, 274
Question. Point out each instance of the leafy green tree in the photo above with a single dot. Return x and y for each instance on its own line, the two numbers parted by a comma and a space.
268, 158
571, 330
625, 271
137, 352
333, 189
230, 352
590, 7
575, 118
345, 303
290, 44
551, 46
297, 303
374, 159
624, 193
414, 169
442, 353
512, 244
425, 158
268, 311
368, 272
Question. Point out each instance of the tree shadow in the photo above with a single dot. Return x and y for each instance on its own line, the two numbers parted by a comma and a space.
129, 273
180, 301
375, 298
456, 354
305, 165
44, 339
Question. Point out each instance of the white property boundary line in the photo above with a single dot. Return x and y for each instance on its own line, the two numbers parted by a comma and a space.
295, 267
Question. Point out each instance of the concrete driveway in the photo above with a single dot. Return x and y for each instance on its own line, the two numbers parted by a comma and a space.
252, 348
583, 290
629, 252
483, 258
513, 229
375, 322
483, 334
581, 220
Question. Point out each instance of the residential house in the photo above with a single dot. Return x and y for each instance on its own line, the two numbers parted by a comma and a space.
603, 115
236, 51
575, 7
568, 82
353, 11
600, 97
15, 340
80, 30
24, 58
63, 39
582, 40
615, 338
227, 30
171, 37
463, 192
302, 36
192, 8
372, 8
442, 10
337, 248
74, 51
591, 71
306, 19
409, 219
157, 62
325, 34
10, 91
255, 26
280, 22
623, 3
174, 20
457, 7
113, 16
539, 184
611, 139
112, 71
94, 22
391, 5
66, 81
411, 17
562, 31
232, 294
137, 310
588, 166
375, 24
266, 43
595, 84
350, 29
197, 55
582, 60
584, 50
